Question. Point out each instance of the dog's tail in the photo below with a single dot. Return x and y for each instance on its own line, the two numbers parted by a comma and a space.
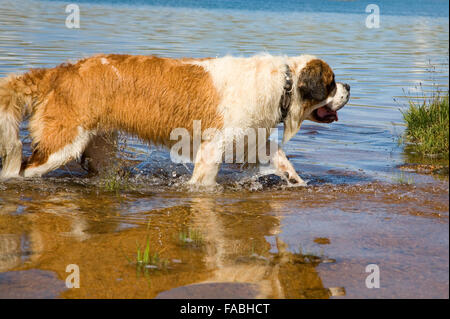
16, 97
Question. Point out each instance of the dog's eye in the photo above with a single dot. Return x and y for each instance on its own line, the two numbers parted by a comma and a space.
307, 95
331, 86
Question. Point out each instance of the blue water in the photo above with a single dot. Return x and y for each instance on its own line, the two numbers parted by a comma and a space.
432, 8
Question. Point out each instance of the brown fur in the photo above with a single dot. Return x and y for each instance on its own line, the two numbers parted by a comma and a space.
142, 95
315, 80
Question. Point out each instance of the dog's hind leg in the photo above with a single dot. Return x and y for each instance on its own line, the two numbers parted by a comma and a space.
99, 155
12, 104
46, 159
10, 146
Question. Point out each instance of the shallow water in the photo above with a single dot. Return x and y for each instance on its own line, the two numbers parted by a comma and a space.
268, 239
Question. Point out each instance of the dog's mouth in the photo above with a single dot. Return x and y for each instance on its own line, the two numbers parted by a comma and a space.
325, 115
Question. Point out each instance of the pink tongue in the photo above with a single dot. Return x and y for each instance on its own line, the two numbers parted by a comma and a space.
324, 112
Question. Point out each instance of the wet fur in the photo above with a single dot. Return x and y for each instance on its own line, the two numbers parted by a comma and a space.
149, 97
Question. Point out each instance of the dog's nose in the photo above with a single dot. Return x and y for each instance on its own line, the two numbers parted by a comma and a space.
347, 87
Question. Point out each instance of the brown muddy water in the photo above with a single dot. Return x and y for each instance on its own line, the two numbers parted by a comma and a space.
251, 236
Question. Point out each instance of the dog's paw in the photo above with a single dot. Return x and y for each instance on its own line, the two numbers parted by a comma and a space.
7, 177
202, 183
294, 179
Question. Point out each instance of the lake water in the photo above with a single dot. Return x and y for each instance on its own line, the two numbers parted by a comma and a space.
253, 231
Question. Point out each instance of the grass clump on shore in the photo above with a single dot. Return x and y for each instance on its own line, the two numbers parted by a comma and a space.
402, 179
427, 128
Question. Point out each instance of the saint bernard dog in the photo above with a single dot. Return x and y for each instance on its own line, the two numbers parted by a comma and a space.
72, 105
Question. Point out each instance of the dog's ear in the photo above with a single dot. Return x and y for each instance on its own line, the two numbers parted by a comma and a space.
313, 80
313, 84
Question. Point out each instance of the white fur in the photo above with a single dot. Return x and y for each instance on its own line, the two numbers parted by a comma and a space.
250, 91
10, 146
285, 169
207, 163
251, 88
339, 98
67, 153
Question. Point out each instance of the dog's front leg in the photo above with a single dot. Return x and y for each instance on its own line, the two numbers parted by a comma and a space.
207, 163
283, 167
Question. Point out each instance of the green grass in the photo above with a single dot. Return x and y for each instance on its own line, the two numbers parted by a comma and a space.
428, 126
402, 179
146, 258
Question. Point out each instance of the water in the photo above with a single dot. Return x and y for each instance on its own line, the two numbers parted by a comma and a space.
352, 166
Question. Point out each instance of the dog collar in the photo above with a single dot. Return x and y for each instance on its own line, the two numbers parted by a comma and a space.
286, 98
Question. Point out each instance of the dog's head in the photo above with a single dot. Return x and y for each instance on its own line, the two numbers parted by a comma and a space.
317, 96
